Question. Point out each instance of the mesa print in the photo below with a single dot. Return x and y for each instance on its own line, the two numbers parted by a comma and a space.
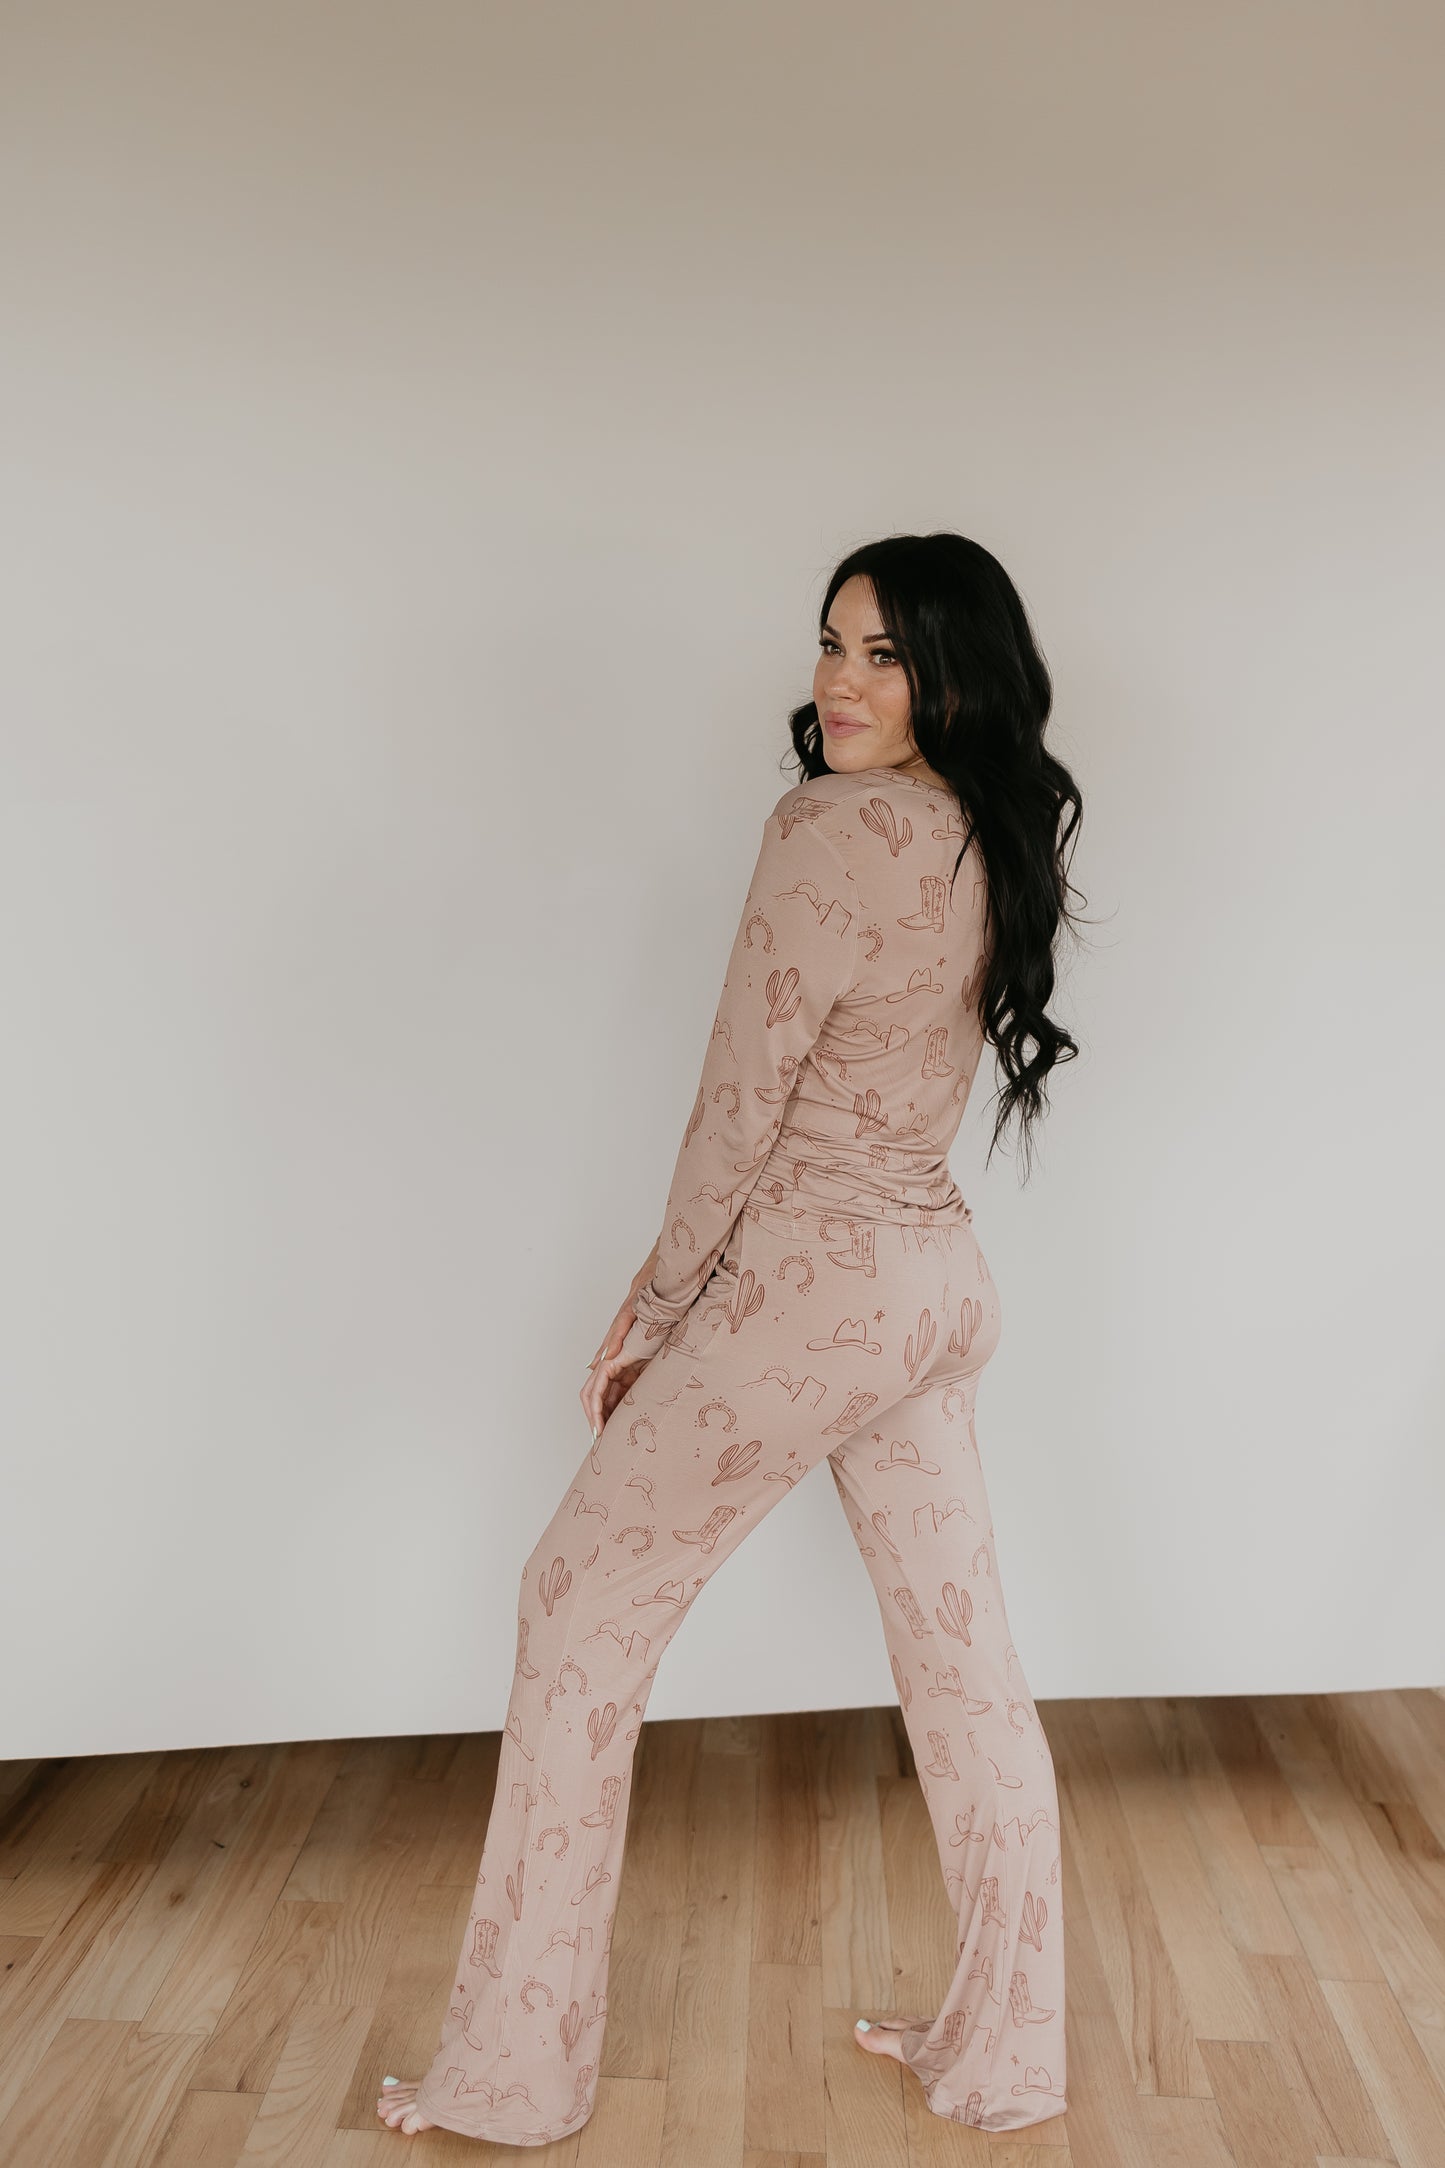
820, 1295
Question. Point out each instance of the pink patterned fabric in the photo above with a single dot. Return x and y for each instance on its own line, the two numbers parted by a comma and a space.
820, 1293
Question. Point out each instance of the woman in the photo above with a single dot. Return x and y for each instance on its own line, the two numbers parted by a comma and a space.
816, 1291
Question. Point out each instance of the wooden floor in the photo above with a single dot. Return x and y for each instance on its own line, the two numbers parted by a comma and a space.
215, 1956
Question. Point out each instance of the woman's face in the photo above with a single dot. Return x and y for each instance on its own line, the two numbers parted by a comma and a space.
860, 687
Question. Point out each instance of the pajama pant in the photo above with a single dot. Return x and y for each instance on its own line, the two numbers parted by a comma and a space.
813, 1335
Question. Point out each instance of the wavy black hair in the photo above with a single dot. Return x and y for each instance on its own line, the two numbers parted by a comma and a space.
980, 695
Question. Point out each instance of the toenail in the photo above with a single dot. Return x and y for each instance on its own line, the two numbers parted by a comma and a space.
863, 2025
391, 2081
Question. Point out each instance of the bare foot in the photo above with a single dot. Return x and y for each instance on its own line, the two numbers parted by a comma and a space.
882, 2035
395, 2107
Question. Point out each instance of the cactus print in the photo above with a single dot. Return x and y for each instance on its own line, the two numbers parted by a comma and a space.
820, 1294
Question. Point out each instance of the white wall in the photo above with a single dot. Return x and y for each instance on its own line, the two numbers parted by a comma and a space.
428, 430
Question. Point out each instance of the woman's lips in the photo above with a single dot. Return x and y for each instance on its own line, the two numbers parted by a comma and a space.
841, 729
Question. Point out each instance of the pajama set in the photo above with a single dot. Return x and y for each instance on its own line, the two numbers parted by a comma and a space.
819, 1291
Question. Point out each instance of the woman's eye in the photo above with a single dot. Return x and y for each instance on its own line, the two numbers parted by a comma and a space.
880, 654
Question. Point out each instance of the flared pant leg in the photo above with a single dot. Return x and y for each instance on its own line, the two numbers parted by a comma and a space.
913, 1487
804, 1329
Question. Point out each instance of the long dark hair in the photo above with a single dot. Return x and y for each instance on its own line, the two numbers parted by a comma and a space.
980, 698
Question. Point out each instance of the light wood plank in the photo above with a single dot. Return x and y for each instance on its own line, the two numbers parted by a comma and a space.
854, 1937
707, 2073
784, 2112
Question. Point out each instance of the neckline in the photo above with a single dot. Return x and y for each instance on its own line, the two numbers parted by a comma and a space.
922, 781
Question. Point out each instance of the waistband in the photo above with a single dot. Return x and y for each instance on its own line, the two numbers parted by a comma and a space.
916, 1191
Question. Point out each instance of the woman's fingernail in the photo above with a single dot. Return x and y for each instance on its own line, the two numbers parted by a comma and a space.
863, 2025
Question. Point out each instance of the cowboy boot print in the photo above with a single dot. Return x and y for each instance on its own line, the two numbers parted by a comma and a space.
942, 1762
935, 1052
861, 1253
482, 1956
706, 1536
602, 1814
993, 1913
582, 2098
523, 1665
932, 892
801, 808
1022, 2009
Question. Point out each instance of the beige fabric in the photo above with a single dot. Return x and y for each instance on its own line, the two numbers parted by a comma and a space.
821, 1294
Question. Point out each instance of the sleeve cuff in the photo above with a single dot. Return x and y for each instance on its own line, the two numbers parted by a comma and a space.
641, 1344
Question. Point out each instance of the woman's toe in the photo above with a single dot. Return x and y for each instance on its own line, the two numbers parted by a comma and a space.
393, 2102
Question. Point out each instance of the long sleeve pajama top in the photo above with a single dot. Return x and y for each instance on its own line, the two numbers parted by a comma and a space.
847, 1034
